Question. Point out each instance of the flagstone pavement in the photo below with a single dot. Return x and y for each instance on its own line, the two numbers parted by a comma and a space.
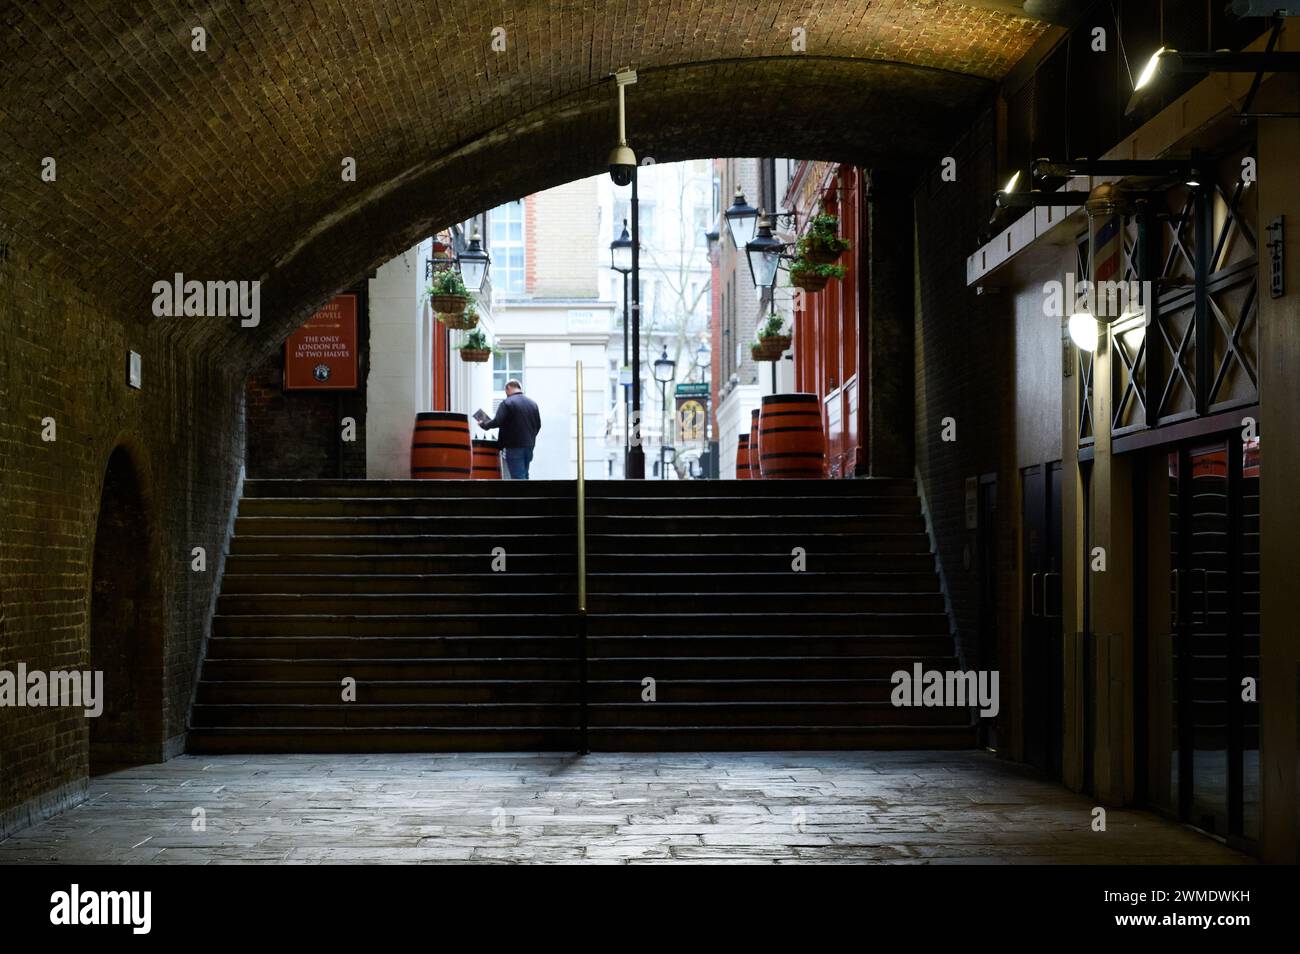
773, 807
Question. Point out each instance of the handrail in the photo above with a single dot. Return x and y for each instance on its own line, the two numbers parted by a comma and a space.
582, 573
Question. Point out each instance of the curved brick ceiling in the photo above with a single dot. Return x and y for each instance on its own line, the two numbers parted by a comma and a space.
225, 164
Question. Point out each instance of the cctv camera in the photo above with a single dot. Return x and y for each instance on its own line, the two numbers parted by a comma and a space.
622, 165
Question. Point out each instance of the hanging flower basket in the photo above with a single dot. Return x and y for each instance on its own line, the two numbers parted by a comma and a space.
822, 244
475, 347
820, 254
808, 280
770, 348
464, 321
448, 293
449, 305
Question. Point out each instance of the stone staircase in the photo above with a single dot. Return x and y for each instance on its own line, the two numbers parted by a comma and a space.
690, 584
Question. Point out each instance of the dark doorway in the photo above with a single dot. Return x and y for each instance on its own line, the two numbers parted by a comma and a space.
125, 643
987, 561
1202, 635
1042, 674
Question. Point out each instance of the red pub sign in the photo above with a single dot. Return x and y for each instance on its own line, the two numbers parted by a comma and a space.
322, 354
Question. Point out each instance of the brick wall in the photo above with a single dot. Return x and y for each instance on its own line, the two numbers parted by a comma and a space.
297, 434
963, 352
63, 357
562, 244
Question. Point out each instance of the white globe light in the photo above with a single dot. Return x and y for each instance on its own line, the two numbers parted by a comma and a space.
1083, 330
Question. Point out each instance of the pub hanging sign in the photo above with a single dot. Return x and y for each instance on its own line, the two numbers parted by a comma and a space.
322, 354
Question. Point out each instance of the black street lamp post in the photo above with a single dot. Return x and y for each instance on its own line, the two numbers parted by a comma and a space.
620, 260
636, 452
665, 369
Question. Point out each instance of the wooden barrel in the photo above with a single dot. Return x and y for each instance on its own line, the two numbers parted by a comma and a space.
791, 440
742, 457
487, 460
755, 463
440, 446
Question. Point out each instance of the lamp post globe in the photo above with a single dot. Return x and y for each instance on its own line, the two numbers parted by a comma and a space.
702, 355
764, 253
664, 367
474, 264
741, 220
620, 252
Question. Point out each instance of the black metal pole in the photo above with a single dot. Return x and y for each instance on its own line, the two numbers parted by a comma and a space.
636, 453
663, 430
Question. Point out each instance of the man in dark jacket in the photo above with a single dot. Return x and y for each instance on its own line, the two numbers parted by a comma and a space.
519, 421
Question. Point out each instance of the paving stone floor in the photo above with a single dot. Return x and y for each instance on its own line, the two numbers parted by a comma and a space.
783, 807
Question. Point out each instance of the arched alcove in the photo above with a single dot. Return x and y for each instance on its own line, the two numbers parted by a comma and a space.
125, 639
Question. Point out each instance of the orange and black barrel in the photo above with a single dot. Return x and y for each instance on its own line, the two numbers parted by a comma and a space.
792, 442
440, 446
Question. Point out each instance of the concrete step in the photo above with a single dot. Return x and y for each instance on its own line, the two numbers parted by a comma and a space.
766, 505
789, 669
812, 542
783, 600
399, 689
360, 564
761, 506
315, 626
405, 526
749, 524
550, 714
407, 506
540, 490
752, 561
417, 584
663, 584
316, 739
566, 646
408, 544
263, 647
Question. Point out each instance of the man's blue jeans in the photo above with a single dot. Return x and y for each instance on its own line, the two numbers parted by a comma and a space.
517, 461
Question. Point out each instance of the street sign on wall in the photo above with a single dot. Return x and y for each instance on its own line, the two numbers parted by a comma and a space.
692, 419
322, 354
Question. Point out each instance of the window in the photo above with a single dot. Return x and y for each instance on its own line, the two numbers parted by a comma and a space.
645, 222
701, 226
507, 247
506, 365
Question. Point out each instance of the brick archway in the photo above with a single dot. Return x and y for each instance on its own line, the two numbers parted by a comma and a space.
225, 163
